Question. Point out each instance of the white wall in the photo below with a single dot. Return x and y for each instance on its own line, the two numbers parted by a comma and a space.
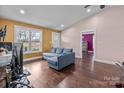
109, 25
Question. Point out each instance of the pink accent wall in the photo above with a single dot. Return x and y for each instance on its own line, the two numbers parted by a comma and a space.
89, 39
109, 26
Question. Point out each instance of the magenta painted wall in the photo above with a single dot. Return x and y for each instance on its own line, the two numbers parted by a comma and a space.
89, 39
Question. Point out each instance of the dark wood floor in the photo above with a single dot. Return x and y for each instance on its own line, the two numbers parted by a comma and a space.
83, 74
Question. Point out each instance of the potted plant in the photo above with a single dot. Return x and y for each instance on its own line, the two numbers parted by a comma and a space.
120, 66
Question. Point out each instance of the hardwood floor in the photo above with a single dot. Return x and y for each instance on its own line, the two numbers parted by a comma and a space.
2, 77
83, 74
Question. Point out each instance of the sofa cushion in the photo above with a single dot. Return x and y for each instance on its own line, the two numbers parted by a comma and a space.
65, 50
55, 59
59, 50
53, 50
50, 54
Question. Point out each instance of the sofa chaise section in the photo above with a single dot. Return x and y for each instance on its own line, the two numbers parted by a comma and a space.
61, 59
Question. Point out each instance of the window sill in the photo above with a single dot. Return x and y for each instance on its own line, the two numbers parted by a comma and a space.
32, 52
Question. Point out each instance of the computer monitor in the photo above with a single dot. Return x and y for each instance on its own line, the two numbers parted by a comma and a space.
6, 45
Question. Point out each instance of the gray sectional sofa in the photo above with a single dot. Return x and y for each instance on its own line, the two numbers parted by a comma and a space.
59, 58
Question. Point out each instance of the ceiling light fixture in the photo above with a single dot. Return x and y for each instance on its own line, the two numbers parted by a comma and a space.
88, 10
62, 25
22, 11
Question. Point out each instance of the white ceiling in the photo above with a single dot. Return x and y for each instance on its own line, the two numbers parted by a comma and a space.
51, 16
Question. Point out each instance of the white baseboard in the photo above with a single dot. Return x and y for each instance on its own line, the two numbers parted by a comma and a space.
105, 61
33, 58
78, 57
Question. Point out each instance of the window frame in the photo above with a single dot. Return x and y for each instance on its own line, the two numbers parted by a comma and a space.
30, 30
56, 43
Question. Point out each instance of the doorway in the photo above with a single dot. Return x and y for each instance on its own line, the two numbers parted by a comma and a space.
87, 43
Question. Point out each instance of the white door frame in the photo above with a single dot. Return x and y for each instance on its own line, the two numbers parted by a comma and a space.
88, 31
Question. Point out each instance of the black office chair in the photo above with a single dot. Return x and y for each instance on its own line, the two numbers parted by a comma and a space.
3, 31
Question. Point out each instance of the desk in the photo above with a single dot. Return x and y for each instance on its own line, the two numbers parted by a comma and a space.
4, 60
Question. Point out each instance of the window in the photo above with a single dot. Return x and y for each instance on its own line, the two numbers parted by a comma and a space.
35, 41
31, 38
55, 39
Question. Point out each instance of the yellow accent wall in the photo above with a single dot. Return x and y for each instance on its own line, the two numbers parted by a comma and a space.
47, 38
10, 30
47, 35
